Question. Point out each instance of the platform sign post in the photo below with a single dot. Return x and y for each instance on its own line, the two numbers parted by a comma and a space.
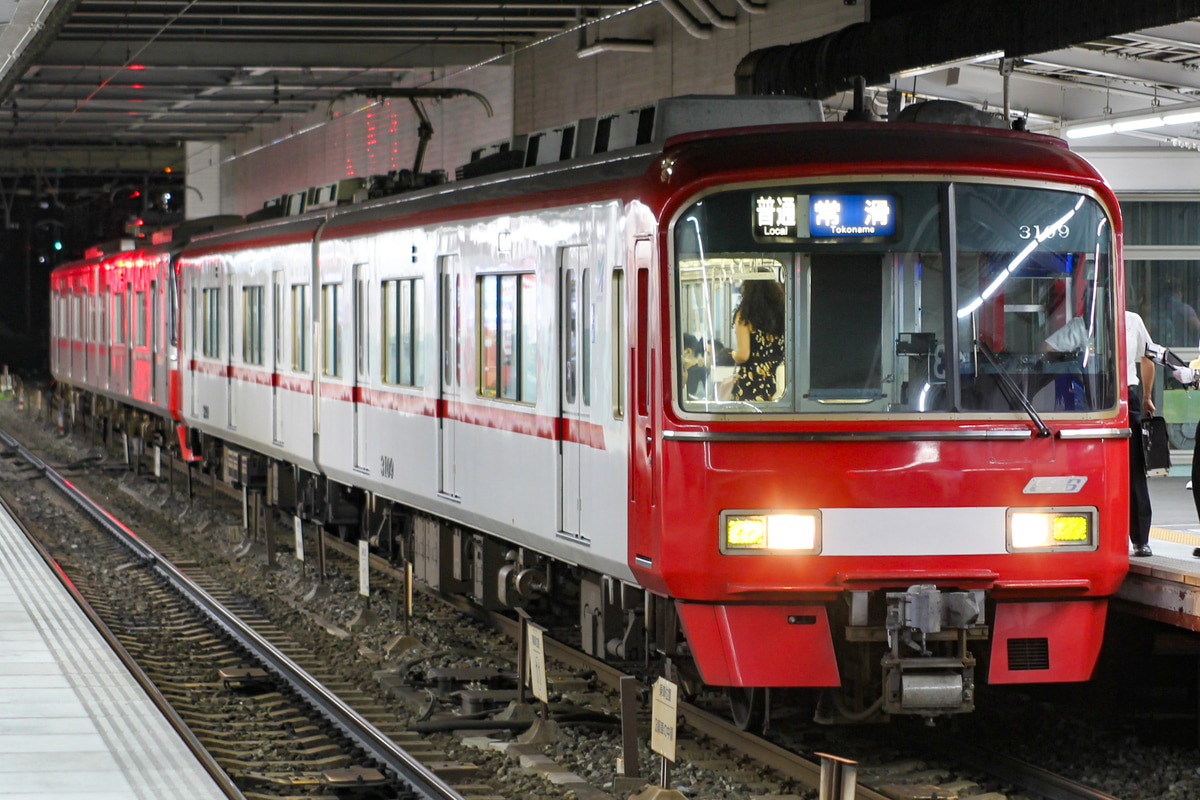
536, 648
364, 567
298, 528
664, 724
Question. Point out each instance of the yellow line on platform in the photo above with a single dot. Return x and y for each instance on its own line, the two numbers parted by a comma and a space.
1180, 537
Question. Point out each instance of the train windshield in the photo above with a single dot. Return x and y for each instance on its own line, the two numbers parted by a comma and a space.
895, 297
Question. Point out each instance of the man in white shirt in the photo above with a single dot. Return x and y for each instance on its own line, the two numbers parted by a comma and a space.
1138, 365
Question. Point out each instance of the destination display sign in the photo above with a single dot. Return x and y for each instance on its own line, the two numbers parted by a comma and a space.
851, 215
789, 216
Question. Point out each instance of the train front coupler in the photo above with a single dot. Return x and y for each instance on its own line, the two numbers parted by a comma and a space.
928, 669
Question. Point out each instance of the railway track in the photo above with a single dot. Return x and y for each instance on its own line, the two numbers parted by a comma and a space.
246, 741
785, 762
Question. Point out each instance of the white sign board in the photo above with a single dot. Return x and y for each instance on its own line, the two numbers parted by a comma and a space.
364, 568
664, 718
535, 646
298, 525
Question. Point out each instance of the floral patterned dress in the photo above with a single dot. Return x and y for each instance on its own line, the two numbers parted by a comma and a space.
756, 376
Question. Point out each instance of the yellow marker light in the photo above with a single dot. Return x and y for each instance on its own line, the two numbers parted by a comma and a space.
791, 532
1069, 529
746, 532
1031, 530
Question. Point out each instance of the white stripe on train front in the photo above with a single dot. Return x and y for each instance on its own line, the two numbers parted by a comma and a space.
912, 531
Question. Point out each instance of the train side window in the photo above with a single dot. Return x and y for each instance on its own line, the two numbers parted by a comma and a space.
489, 340
252, 325
331, 323
76, 321
390, 308
617, 336
507, 337
362, 327
172, 316
585, 330
571, 355
212, 322
154, 335
643, 341
528, 342
119, 318
140, 321
300, 327
509, 374
403, 339
414, 320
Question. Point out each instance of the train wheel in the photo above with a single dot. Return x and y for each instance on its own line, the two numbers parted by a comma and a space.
747, 706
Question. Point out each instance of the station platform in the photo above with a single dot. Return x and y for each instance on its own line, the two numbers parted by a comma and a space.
1166, 585
74, 723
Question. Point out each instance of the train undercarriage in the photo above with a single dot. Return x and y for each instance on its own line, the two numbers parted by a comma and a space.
907, 651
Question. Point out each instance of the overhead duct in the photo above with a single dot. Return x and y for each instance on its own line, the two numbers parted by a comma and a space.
951, 31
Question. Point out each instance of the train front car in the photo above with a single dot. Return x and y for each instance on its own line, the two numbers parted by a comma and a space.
916, 479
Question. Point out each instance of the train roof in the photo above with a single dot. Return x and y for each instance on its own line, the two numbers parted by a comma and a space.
694, 133
873, 147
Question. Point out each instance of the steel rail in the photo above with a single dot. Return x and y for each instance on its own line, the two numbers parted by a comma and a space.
1030, 778
370, 738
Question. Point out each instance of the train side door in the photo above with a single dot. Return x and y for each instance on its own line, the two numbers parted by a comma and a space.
190, 367
450, 351
155, 342
230, 382
575, 386
107, 329
362, 358
642, 447
89, 304
130, 335
276, 354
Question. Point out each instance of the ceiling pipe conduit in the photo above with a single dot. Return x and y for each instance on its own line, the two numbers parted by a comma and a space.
715, 16
752, 7
686, 19
877, 50
615, 46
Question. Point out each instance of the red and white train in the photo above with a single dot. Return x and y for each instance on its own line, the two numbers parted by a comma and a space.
487, 377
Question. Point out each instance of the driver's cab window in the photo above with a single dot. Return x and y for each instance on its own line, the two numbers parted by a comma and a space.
869, 304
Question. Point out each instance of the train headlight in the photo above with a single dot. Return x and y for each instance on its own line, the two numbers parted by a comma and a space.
750, 532
1051, 529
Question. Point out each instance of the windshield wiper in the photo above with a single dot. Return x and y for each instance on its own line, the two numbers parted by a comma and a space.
1011, 386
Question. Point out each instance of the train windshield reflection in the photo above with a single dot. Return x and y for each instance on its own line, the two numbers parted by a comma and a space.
865, 316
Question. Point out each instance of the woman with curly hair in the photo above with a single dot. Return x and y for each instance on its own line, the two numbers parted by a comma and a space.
759, 325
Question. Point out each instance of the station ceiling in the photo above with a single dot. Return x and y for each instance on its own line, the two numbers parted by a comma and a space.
123, 77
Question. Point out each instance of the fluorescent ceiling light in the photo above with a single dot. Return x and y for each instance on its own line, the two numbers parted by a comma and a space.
1089, 130
1137, 123
1179, 119
1179, 114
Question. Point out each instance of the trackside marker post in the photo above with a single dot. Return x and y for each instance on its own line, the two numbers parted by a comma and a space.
298, 528
839, 777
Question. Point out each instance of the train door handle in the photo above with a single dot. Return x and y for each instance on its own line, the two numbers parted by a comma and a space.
649, 443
